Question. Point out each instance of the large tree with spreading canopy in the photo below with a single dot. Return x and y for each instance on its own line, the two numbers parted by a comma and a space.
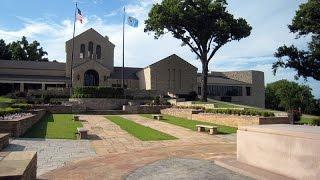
305, 62
204, 25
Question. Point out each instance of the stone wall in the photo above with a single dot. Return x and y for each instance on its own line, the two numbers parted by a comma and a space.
17, 127
4, 140
56, 109
19, 165
100, 103
224, 119
289, 150
143, 109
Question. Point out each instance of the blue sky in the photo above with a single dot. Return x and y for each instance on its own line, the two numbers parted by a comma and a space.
50, 22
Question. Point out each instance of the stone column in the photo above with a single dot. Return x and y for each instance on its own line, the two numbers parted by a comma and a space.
43, 87
21, 87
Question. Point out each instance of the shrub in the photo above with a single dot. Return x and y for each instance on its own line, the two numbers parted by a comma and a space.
21, 106
8, 111
315, 122
97, 92
248, 112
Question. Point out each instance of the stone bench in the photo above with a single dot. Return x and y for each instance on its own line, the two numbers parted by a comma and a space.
157, 116
19, 165
82, 133
76, 118
212, 129
4, 140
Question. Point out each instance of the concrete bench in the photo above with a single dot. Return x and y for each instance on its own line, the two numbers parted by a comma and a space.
212, 129
157, 116
19, 165
76, 118
82, 133
4, 140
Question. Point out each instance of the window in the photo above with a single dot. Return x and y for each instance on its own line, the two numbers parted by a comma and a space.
82, 51
98, 51
90, 50
217, 90
248, 90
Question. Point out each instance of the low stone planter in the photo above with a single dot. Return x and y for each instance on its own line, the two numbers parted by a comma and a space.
17, 127
224, 119
4, 141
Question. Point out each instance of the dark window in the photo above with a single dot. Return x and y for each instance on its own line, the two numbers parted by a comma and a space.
98, 51
82, 51
248, 90
90, 50
91, 78
217, 90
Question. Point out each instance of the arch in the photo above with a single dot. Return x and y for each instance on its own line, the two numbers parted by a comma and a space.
98, 51
82, 51
90, 49
91, 78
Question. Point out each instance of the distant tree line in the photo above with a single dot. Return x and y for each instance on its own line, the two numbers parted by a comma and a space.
22, 50
285, 95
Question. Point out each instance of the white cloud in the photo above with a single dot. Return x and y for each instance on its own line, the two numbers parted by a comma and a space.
269, 32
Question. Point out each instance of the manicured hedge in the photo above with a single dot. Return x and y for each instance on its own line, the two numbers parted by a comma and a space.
9, 110
21, 106
97, 92
248, 112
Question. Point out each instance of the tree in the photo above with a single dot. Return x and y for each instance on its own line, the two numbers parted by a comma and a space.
286, 95
306, 63
22, 51
204, 25
4, 50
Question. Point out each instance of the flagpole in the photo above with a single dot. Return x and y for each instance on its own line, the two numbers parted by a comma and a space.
123, 26
72, 54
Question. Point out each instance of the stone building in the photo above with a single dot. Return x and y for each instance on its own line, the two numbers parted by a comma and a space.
93, 65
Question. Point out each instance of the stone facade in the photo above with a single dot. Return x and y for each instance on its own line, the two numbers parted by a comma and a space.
249, 87
17, 127
93, 65
171, 74
224, 119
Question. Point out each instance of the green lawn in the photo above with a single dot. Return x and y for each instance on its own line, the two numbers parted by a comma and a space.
54, 126
191, 124
139, 131
5, 100
310, 120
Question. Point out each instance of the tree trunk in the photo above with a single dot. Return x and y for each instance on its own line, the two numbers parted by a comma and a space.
204, 81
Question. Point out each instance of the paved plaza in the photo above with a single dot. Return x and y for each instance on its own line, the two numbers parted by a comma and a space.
112, 153
53, 153
181, 168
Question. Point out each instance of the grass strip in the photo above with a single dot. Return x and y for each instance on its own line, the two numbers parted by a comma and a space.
139, 131
191, 124
54, 126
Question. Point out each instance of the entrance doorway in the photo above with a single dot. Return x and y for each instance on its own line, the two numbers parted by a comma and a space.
91, 78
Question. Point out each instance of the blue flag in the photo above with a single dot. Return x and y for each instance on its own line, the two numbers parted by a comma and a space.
131, 21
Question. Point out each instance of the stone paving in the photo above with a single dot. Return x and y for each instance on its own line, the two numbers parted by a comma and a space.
52, 153
107, 137
120, 153
182, 168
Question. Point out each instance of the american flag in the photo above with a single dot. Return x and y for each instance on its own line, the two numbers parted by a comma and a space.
79, 15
